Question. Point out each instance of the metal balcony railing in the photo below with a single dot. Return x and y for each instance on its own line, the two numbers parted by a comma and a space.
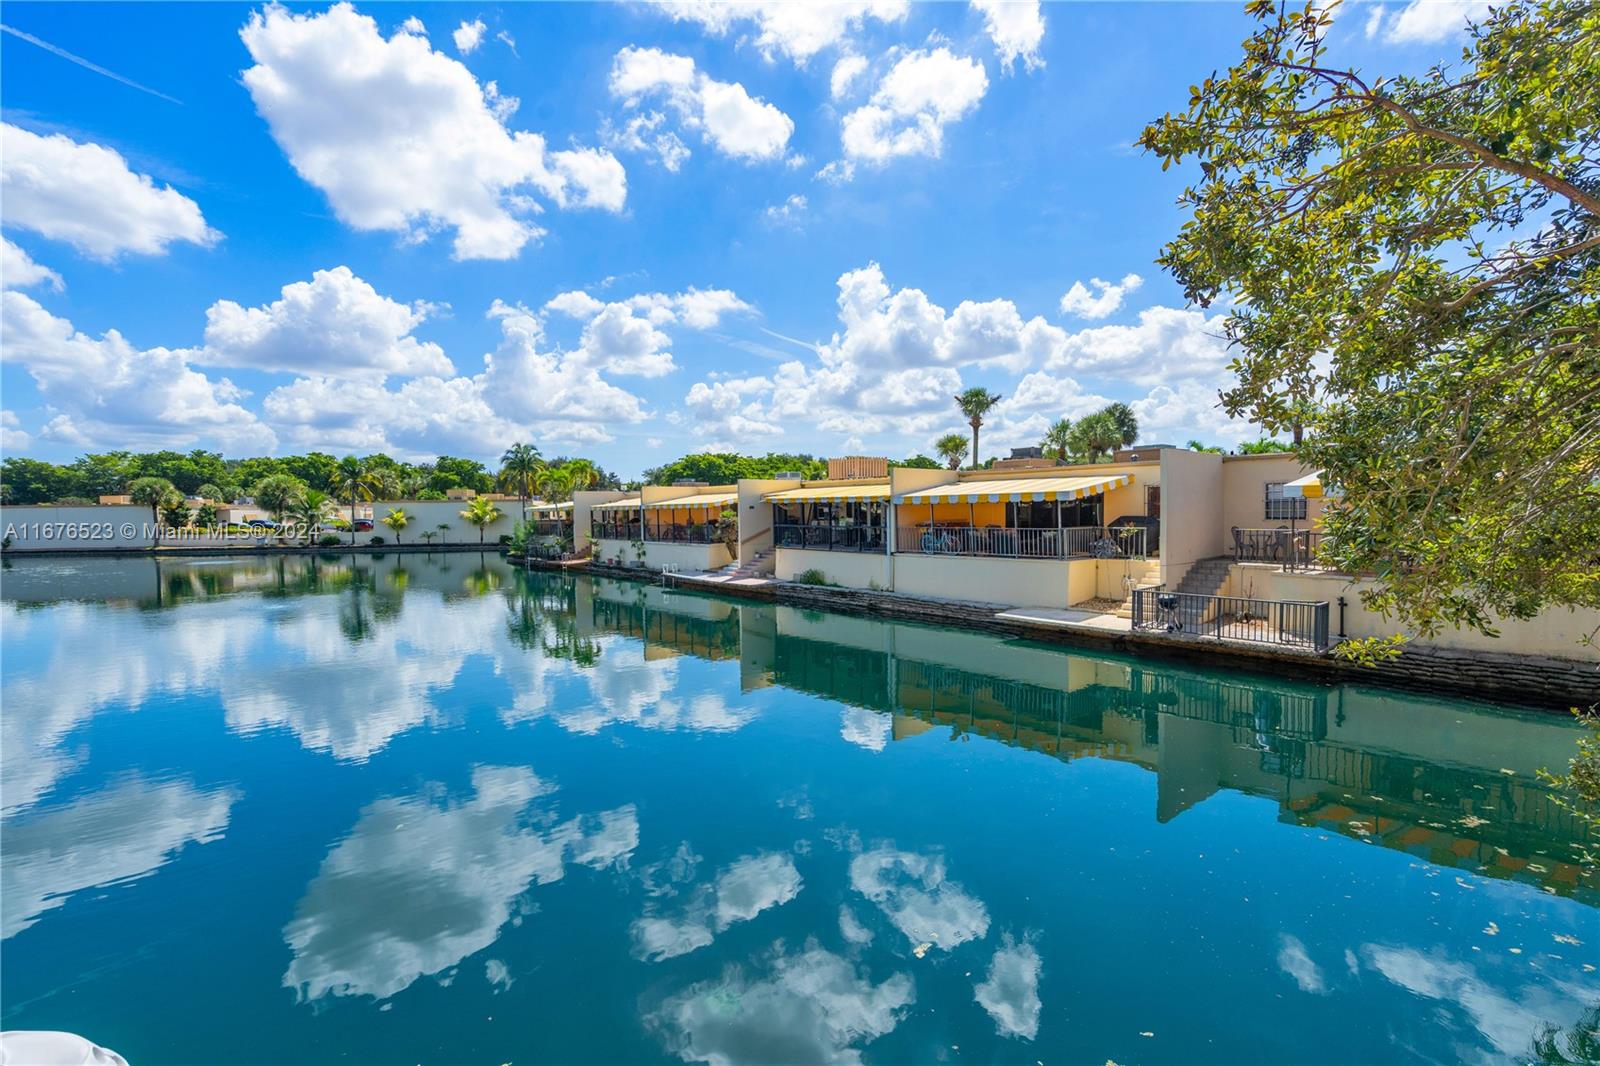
1073, 542
1287, 623
1299, 549
830, 538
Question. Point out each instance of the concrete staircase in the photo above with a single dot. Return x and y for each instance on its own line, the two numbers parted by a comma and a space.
1150, 576
758, 566
1206, 576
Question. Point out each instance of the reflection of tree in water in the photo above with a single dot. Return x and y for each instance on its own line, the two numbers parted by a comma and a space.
543, 615
367, 603
1580, 1043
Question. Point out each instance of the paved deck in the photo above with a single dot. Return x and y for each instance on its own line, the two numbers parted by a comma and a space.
1067, 618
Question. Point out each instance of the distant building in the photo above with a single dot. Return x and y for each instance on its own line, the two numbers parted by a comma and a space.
460, 494
114, 500
1137, 452
1025, 459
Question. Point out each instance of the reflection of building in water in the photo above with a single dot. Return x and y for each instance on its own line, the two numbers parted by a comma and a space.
671, 623
1447, 782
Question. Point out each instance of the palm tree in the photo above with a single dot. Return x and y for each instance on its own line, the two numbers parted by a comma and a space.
1096, 435
975, 403
277, 493
354, 482
1127, 424
554, 482
444, 532
212, 493
483, 513
582, 473
309, 511
517, 467
952, 448
396, 520
1058, 438
152, 492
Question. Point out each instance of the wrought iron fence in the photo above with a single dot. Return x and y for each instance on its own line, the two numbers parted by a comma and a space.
830, 538
1088, 542
615, 529
1288, 623
680, 532
1292, 549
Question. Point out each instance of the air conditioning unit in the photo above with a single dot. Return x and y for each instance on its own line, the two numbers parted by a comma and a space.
788, 475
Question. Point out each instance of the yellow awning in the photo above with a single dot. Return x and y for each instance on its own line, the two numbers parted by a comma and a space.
867, 490
629, 504
548, 508
704, 499
1018, 490
1309, 486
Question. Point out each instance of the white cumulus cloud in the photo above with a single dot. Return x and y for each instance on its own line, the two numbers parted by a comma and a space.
1099, 298
86, 196
402, 138
729, 118
336, 324
1017, 29
1425, 21
19, 271
1011, 991
925, 91
783, 27
468, 36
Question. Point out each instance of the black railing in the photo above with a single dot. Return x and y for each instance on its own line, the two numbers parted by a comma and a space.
1292, 549
1073, 542
615, 529
830, 538
1288, 623
681, 533
549, 527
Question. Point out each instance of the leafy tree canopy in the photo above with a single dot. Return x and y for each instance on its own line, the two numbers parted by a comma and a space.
724, 468
1413, 269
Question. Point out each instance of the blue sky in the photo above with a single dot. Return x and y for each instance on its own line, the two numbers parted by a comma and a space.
627, 231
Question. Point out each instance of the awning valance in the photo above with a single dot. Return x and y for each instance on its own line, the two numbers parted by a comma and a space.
631, 503
867, 490
1019, 490
1309, 487
704, 499
550, 508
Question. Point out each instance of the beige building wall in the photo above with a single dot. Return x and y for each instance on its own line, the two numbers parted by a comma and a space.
755, 517
429, 515
582, 504
1244, 491
1557, 632
855, 570
1012, 582
1191, 510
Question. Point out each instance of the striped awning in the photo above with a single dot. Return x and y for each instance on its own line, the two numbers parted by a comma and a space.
1309, 487
867, 490
630, 503
704, 499
550, 508
1019, 490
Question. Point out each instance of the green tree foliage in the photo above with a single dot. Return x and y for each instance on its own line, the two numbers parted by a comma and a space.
152, 492
1058, 439
482, 513
518, 466
724, 468
277, 494
952, 448
1095, 436
1435, 241
452, 473
397, 520
974, 404
917, 462
1264, 446
1196, 446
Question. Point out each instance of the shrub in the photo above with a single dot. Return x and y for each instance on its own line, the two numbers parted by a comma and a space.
376, 541
330, 540
505, 539
812, 577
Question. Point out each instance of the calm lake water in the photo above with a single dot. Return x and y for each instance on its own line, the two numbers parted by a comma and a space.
434, 809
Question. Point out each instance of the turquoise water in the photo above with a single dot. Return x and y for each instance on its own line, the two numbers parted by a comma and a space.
433, 809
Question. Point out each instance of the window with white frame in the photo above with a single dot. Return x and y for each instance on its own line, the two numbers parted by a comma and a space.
1281, 508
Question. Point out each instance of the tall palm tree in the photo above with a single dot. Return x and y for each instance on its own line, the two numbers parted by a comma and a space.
975, 403
353, 482
396, 520
483, 513
1096, 435
152, 492
1127, 424
1058, 438
952, 448
518, 466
